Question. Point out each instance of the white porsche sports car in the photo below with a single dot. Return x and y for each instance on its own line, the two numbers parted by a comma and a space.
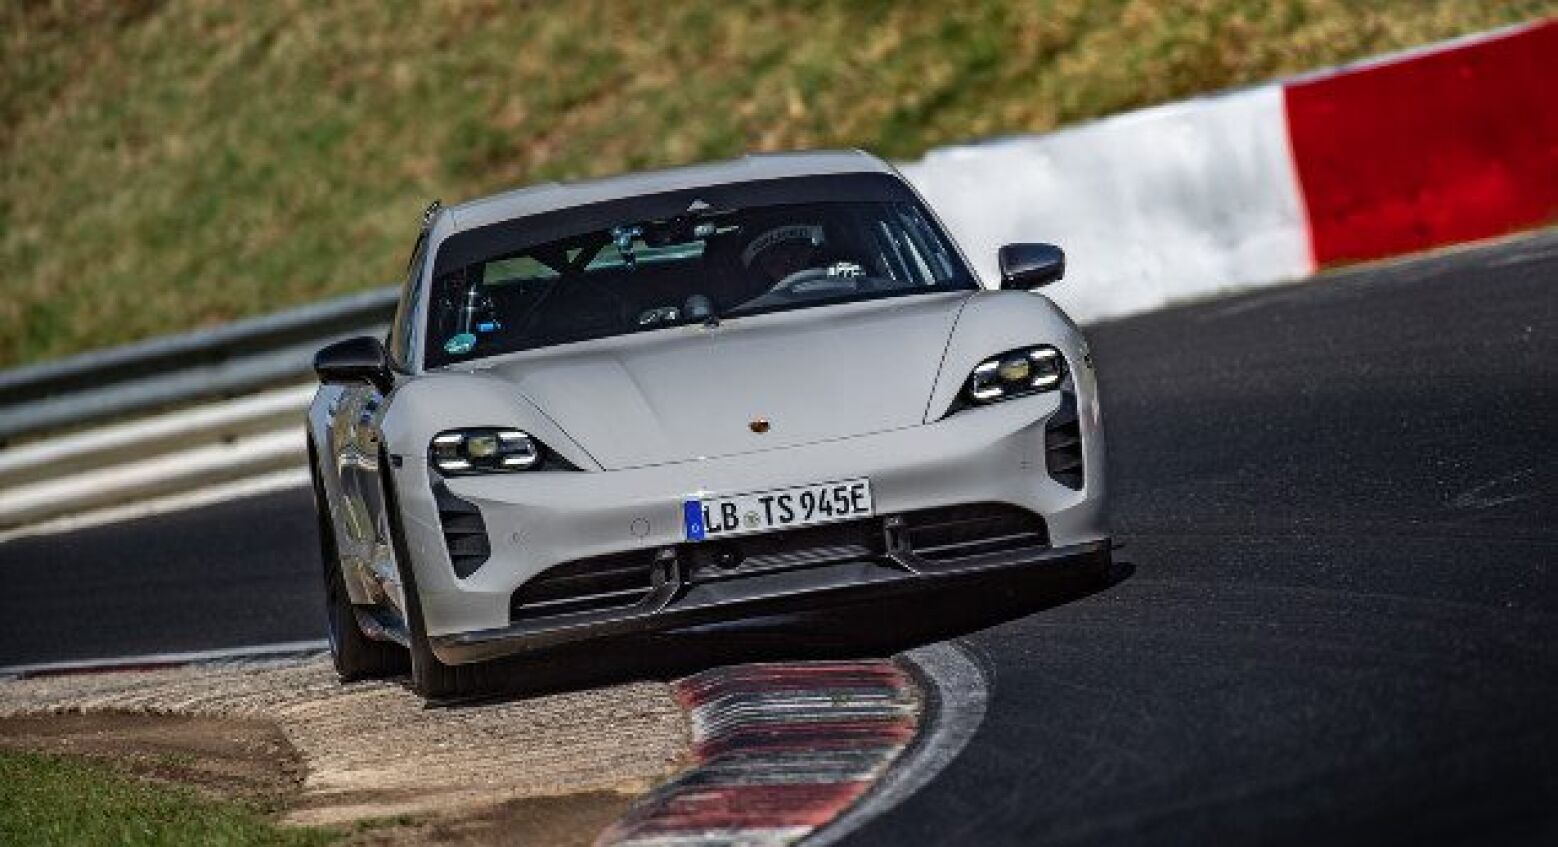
666, 399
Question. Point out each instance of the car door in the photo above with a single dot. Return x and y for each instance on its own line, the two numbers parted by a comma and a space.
356, 465
359, 440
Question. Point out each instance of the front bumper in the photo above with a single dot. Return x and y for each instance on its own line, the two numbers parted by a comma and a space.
675, 605
539, 521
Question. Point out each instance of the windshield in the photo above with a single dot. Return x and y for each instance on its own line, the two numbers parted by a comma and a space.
648, 275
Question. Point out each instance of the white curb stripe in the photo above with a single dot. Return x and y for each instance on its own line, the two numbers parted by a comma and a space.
1171, 203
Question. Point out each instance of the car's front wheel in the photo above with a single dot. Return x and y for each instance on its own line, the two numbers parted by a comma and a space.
430, 677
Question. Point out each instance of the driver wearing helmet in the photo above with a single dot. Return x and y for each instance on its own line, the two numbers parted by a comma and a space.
784, 250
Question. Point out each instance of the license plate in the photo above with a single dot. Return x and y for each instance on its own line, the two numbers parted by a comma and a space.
780, 508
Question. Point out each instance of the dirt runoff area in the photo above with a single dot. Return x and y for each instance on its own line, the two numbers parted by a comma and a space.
557, 768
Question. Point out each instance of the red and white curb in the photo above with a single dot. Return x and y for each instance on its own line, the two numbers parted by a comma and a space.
1450, 143
783, 751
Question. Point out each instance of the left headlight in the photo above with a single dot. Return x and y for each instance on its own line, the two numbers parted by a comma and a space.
483, 450
1027, 370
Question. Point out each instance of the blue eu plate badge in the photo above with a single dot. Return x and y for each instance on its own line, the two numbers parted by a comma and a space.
692, 513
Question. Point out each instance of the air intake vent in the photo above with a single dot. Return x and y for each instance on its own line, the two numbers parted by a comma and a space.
614, 581
1063, 444
957, 532
743, 555
464, 532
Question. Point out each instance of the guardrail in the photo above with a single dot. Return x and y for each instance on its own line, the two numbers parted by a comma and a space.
238, 358
236, 394
162, 456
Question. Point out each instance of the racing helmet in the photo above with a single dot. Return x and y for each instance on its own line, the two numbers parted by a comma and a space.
780, 251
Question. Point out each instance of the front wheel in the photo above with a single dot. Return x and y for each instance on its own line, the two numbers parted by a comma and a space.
430, 678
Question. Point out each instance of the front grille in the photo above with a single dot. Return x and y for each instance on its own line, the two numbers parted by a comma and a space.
794, 548
1063, 444
464, 532
614, 581
956, 532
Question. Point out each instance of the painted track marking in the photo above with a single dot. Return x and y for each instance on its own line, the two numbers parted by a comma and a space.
809, 750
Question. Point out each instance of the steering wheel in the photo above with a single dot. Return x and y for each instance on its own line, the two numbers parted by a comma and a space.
787, 286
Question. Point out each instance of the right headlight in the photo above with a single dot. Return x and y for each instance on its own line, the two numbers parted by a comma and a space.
483, 450
1027, 370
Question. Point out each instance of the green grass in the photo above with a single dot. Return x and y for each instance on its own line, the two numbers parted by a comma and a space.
50, 800
165, 165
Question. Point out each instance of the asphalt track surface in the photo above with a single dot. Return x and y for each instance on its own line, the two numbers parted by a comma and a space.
1335, 619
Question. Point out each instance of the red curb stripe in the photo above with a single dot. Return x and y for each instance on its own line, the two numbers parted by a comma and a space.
819, 736
779, 750
752, 672
708, 689
1386, 170
751, 807
789, 672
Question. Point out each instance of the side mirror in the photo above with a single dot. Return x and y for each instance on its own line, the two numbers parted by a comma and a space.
360, 359
1028, 266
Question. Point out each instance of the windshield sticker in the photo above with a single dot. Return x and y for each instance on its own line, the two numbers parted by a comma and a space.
622, 237
460, 344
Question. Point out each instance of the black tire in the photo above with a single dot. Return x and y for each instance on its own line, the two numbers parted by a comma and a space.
430, 677
356, 656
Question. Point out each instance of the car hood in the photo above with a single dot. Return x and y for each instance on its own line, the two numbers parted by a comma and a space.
694, 392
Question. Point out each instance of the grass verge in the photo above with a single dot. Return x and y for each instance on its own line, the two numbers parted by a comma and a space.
166, 164
55, 800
